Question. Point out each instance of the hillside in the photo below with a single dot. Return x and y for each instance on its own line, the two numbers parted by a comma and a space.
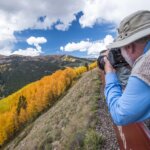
17, 71
74, 122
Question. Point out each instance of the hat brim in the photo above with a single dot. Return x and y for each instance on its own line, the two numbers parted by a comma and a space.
130, 39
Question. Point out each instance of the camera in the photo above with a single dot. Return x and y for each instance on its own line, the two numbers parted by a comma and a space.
115, 58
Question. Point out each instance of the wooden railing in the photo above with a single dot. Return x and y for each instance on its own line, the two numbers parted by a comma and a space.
133, 137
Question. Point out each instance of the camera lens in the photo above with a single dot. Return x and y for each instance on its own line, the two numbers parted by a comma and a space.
100, 62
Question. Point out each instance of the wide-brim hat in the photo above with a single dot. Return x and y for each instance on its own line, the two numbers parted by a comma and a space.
132, 28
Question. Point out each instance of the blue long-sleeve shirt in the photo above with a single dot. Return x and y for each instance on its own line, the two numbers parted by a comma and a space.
132, 105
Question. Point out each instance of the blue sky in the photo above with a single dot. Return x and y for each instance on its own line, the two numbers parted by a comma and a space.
56, 38
74, 27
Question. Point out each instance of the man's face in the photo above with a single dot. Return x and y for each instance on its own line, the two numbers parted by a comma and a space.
125, 53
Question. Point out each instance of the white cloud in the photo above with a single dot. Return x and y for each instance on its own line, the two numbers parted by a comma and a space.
91, 47
6, 50
81, 46
62, 48
28, 52
36, 41
62, 27
99, 11
19, 15
108, 39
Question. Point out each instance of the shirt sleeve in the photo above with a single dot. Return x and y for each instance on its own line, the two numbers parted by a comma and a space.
133, 105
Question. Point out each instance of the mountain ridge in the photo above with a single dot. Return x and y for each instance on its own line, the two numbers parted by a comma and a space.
16, 71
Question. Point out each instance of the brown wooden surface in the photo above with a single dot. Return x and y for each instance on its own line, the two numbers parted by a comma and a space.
133, 137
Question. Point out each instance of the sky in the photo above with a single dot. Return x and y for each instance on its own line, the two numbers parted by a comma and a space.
80, 28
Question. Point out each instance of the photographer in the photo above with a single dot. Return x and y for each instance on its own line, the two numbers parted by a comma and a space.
133, 104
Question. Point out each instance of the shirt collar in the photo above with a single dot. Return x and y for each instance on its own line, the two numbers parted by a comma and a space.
147, 47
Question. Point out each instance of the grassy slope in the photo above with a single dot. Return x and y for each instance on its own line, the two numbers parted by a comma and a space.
69, 124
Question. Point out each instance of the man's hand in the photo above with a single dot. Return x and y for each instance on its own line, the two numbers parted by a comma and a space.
108, 67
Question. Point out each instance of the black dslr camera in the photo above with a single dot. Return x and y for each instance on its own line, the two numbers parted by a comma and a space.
115, 58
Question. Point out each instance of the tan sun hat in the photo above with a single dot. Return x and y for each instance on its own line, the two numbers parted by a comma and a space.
132, 28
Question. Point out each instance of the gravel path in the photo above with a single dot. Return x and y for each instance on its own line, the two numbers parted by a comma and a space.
105, 126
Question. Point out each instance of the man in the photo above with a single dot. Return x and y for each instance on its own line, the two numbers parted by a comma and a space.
133, 104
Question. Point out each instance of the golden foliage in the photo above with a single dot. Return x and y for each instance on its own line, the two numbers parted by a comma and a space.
25, 104
93, 65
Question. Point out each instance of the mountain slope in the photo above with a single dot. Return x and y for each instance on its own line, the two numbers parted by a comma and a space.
70, 124
17, 71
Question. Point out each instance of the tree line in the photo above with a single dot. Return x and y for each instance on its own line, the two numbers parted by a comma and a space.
26, 104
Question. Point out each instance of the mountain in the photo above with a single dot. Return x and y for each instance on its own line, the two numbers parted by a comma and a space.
17, 71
